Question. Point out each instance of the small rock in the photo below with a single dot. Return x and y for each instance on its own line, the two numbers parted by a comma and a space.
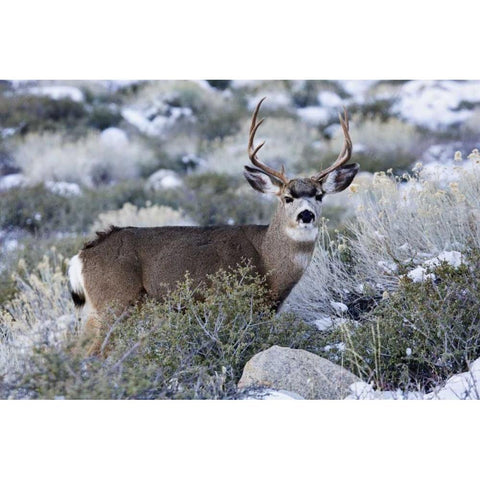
114, 137
163, 179
298, 371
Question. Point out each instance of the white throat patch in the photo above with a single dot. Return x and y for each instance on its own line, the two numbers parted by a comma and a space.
302, 259
303, 233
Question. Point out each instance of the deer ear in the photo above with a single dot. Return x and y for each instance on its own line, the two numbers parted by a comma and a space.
261, 181
340, 178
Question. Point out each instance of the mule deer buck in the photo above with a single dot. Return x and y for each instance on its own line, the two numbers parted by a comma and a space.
123, 265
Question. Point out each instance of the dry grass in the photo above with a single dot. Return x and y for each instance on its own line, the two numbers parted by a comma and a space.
40, 315
398, 224
88, 161
287, 142
149, 216
404, 223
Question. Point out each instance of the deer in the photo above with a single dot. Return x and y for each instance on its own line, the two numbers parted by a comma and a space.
124, 266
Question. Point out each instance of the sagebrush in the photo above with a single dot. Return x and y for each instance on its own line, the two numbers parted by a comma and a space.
193, 345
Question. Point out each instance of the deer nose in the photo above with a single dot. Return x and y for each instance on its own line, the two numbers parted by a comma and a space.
305, 216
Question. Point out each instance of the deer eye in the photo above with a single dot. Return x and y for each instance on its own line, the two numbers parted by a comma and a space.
319, 197
288, 199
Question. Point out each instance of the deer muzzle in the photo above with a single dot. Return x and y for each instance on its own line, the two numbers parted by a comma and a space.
305, 216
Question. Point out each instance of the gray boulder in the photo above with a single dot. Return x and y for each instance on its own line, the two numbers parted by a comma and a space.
298, 371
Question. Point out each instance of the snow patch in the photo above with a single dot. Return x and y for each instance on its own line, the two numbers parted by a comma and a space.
152, 122
323, 323
364, 391
270, 394
419, 274
453, 258
339, 307
14, 180
463, 386
314, 115
58, 92
7, 132
275, 101
361, 391
440, 153
10, 245
115, 85
358, 89
434, 103
164, 179
192, 161
387, 267
63, 189
149, 127
444, 175
114, 137
330, 100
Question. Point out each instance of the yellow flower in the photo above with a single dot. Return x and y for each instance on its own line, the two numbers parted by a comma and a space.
475, 155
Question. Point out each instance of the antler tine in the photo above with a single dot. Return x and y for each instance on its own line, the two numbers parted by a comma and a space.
346, 152
252, 151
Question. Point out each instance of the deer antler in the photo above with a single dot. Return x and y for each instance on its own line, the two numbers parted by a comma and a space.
252, 151
345, 154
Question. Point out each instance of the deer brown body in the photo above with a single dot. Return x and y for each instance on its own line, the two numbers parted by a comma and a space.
123, 265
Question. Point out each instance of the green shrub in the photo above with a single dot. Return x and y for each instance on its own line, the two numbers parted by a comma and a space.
37, 214
221, 120
219, 84
420, 334
398, 160
7, 164
33, 113
30, 253
305, 93
40, 212
33, 209
194, 345
218, 199
7, 285
102, 117
373, 109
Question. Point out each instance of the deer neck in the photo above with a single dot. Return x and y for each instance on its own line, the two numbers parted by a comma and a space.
286, 255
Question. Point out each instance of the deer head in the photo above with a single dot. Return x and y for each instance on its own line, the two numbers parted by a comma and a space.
300, 198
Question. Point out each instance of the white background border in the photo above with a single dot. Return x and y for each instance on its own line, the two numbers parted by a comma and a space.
242, 40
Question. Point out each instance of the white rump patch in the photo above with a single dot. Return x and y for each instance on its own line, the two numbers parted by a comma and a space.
75, 275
